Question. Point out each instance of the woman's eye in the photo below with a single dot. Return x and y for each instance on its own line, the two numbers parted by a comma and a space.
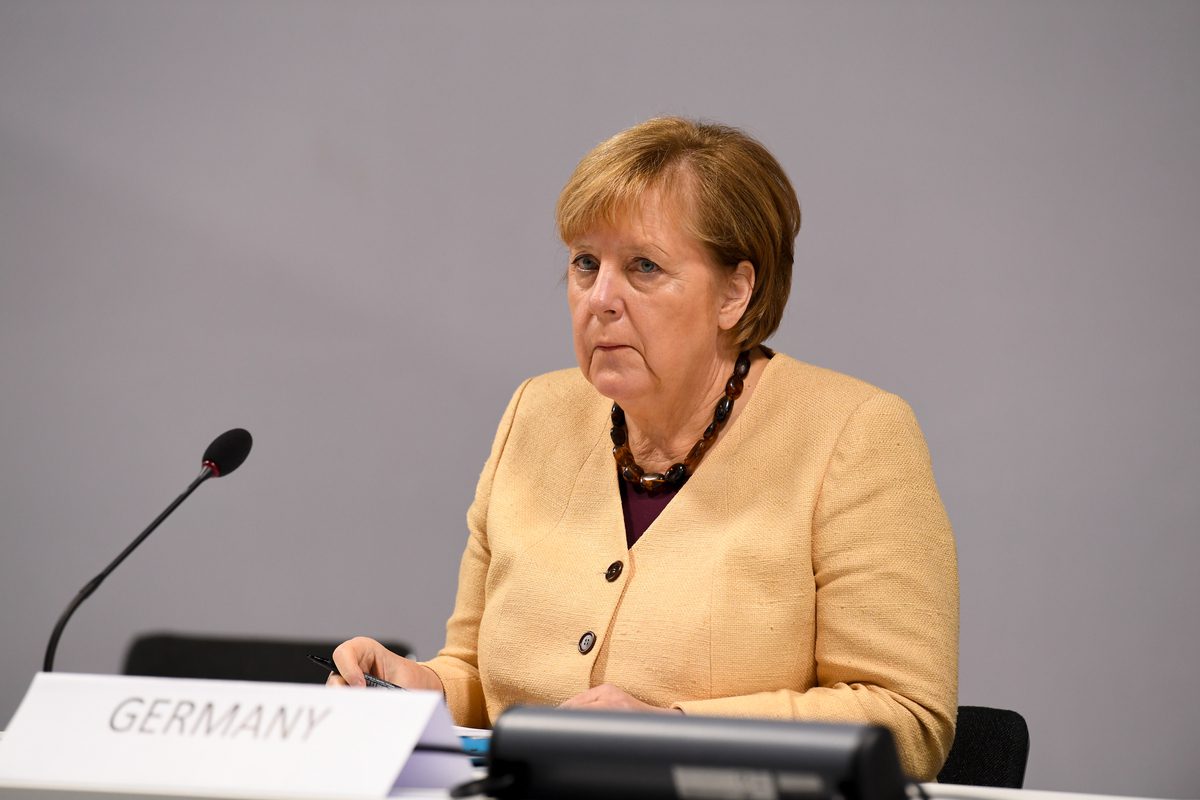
645, 266
585, 262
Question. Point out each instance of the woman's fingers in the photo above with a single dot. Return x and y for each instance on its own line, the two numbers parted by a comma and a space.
354, 658
605, 696
364, 656
612, 697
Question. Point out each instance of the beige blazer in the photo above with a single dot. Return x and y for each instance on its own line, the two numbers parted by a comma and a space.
806, 571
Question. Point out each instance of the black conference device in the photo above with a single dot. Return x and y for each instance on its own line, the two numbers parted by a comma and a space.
598, 755
223, 456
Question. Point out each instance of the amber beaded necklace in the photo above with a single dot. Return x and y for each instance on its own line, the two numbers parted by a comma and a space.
654, 482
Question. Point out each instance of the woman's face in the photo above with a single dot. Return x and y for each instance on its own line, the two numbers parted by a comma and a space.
648, 306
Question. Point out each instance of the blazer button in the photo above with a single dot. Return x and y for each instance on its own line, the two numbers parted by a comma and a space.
587, 642
614, 571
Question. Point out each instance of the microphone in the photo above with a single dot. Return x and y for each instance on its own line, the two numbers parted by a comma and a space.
223, 456
227, 452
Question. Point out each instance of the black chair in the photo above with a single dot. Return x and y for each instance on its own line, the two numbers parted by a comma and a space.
170, 655
991, 748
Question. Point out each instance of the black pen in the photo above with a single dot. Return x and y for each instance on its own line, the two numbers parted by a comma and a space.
371, 679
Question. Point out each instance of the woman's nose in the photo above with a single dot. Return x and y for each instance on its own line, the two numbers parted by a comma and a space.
606, 297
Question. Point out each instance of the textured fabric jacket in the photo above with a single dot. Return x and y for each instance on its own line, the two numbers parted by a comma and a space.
806, 571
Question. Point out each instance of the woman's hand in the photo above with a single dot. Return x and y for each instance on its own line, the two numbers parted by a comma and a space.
610, 697
362, 655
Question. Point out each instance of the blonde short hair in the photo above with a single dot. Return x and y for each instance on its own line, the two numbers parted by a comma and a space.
743, 207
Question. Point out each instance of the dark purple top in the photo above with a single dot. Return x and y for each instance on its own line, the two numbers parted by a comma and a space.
640, 509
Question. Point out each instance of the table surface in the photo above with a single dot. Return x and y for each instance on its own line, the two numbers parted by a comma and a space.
936, 791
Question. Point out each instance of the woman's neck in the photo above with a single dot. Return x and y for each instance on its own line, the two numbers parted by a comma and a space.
662, 430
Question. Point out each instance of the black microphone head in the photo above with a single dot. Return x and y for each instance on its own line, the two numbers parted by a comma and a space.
228, 451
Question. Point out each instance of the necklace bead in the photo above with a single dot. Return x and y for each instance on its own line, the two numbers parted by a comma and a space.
654, 482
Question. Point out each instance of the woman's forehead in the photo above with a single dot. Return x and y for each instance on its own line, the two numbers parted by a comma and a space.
656, 212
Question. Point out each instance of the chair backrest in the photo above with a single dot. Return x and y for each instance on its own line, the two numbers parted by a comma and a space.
991, 747
172, 655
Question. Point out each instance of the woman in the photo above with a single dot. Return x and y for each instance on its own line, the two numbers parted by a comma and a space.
688, 522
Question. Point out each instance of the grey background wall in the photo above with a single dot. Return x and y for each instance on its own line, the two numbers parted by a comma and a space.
332, 224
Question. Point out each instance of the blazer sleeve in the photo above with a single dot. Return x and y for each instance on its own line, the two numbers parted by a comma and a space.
886, 640
457, 664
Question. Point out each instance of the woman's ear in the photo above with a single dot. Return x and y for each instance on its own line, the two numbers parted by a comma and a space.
739, 286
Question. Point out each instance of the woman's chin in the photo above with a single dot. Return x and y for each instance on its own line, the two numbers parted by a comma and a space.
618, 385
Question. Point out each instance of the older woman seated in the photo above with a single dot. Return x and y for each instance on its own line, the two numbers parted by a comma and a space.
689, 522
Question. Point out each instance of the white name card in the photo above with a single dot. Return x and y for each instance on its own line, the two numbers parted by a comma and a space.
227, 738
